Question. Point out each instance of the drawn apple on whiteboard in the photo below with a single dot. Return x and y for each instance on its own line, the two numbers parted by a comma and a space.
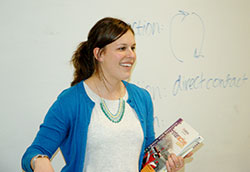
186, 36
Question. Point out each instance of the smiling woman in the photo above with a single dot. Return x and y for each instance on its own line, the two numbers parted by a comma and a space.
116, 59
101, 123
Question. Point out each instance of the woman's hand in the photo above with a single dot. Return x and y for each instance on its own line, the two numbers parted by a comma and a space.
175, 163
43, 165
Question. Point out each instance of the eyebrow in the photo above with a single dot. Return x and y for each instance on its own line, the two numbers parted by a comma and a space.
127, 44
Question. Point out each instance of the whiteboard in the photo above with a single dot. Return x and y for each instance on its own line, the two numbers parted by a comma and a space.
192, 56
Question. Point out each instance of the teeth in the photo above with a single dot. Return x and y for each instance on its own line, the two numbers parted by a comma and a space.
126, 64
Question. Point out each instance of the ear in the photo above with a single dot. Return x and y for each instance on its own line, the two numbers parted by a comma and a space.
97, 54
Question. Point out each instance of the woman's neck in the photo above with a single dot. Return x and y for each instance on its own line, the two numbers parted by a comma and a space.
107, 89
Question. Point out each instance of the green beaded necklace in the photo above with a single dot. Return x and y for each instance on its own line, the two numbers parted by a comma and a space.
117, 117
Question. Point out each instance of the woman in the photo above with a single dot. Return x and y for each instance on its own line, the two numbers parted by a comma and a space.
101, 123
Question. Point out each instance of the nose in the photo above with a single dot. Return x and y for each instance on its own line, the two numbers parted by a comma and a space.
131, 53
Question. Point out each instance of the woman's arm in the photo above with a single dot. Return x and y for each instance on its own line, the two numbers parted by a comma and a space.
51, 134
41, 164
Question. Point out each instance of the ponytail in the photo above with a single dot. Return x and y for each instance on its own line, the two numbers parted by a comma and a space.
83, 63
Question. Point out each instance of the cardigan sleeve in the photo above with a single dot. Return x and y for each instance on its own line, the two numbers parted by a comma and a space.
50, 135
150, 121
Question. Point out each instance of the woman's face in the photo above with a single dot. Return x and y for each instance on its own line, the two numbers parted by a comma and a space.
118, 57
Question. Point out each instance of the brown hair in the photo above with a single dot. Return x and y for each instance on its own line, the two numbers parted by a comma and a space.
104, 32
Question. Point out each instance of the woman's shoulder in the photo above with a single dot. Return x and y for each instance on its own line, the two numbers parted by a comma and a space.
136, 90
69, 92
72, 94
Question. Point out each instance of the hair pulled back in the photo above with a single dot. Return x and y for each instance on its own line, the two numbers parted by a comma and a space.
104, 32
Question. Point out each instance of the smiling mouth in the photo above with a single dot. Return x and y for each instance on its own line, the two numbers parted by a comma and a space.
126, 64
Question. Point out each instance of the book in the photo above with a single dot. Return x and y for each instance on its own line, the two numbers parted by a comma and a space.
180, 138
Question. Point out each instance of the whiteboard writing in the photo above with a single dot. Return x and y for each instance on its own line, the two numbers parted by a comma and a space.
155, 91
146, 28
186, 27
186, 83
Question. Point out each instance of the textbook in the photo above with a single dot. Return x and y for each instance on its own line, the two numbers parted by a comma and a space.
180, 138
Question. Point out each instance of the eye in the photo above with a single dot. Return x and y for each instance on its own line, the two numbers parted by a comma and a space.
133, 48
122, 48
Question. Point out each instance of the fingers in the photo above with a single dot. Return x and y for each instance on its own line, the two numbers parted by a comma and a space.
174, 163
188, 155
168, 166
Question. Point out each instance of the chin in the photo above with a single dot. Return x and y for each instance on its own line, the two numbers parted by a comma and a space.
126, 77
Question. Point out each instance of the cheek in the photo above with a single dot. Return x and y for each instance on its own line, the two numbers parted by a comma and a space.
118, 58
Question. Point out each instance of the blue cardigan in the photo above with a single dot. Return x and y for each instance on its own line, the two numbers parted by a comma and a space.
66, 126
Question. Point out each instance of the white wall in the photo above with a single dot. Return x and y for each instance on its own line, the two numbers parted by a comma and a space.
201, 43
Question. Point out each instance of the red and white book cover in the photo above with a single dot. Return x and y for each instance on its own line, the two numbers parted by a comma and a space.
180, 138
